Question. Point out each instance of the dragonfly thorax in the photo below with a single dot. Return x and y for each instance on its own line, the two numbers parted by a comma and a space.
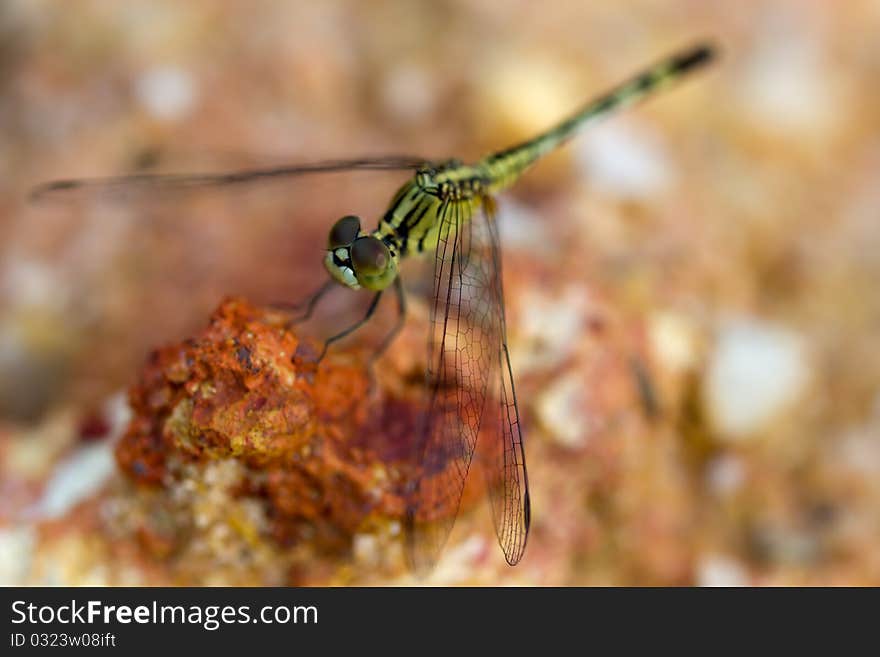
454, 181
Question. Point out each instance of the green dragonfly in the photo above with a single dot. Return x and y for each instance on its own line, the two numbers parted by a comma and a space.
446, 208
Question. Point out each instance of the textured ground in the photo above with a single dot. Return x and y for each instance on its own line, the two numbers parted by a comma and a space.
691, 287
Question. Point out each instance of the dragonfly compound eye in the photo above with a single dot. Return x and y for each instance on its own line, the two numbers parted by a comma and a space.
369, 256
344, 232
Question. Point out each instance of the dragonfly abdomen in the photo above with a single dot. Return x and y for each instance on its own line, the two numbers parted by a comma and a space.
506, 166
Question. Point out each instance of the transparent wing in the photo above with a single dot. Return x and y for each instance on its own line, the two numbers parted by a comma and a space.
504, 453
470, 394
152, 183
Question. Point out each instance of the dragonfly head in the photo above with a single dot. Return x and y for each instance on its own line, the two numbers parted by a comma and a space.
358, 260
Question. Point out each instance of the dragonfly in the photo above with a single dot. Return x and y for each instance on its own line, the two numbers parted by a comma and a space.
446, 208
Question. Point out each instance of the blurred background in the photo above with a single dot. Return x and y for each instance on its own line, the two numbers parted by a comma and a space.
691, 286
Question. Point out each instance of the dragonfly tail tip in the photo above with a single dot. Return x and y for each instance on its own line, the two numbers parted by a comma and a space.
701, 54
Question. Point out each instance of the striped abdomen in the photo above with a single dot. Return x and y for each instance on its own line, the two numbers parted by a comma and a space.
505, 167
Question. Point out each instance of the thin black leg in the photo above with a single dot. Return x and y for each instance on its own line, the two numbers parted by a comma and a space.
398, 325
310, 304
354, 327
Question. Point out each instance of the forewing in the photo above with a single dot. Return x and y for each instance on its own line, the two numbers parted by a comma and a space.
125, 186
468, 397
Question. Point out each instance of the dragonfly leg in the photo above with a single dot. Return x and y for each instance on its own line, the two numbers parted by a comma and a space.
388, 339
309, 304
354, 327
398, 325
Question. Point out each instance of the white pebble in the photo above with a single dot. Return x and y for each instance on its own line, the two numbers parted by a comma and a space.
673, 340
624, 160
33, 283
717, 570
366, 549
119, 413
520, 227
757, 370
553, 326
785, 85
408, 93
562, 411
76, 478
166, 93
16, 548
457, 562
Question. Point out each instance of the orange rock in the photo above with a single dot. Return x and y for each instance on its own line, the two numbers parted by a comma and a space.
325, 456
